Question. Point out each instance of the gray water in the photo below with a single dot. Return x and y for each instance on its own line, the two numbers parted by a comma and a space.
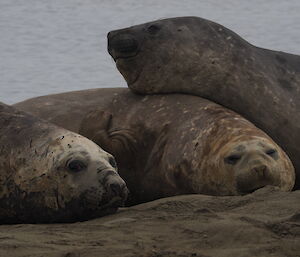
51, 46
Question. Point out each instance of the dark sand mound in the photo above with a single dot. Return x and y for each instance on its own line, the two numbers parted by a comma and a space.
265, 223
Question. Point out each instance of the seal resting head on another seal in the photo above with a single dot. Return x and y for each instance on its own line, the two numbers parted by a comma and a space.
199, 57
49, 174
179, 144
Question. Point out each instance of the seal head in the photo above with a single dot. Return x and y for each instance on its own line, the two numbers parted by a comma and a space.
49, 174
255, 162
160, 56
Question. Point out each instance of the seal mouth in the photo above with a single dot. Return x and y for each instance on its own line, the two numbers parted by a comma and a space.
117, 57
124, 47
251, 190
114, 203
248, 185
128, 68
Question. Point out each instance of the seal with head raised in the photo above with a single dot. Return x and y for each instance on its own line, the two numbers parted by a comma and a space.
171, 144
199, 57
49, 174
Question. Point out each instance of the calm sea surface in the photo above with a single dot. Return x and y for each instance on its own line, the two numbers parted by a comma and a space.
60, 45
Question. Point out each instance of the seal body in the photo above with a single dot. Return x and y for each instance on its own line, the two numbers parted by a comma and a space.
49, 174
175, 144
68, 109
199, 57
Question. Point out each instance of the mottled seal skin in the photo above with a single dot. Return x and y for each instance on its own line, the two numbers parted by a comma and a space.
68, 109
173, 144
199, 57
49, 174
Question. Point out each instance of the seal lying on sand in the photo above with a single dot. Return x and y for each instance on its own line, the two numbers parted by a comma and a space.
49, 174
175, 144
199, 57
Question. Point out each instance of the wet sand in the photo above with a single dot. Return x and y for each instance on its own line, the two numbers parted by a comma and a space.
264, 223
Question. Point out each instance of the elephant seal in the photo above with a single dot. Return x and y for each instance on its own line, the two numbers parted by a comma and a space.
199, 57
49, 174
182, 144
172, 144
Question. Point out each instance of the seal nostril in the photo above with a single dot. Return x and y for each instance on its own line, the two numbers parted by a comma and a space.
260, 170
123, 45
116, 189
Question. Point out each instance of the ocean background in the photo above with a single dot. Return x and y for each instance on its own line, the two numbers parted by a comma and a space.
52, 46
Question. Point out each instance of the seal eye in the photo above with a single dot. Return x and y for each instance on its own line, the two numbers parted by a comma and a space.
76, 166
153, 29
112, 162
232, 159
271, 152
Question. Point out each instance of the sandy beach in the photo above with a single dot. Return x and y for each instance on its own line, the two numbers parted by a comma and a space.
264, 223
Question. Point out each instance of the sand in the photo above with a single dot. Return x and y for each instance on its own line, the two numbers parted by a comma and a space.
264, 223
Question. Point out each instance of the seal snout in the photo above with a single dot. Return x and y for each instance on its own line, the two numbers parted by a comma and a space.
122, 45
260, 170
116, 187
258, 175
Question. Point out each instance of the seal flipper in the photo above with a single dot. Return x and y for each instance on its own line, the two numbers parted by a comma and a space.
97, 131
119, 142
